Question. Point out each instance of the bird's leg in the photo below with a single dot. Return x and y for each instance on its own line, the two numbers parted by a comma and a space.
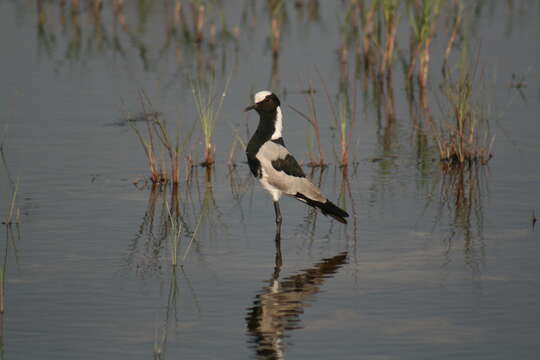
278, 218
278, 213
279, 260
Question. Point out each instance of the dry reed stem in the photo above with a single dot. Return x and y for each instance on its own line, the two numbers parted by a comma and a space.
276, 8
453, 36
389, 50
368, 29
156, 128
9, 219
41, 13
424, 63
343, 62
315, 125
199, 16
276, 36
311, 102
177, 12
343, 138
414, 50
391, 23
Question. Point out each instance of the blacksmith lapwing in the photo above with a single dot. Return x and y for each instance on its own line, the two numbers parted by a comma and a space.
277, 170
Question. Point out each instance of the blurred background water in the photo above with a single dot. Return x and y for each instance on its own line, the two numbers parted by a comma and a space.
438, 259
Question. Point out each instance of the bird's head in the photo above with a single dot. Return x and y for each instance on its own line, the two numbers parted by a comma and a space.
264, 101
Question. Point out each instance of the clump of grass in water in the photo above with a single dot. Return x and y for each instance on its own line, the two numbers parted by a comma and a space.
208, 109
157, 146
464, 138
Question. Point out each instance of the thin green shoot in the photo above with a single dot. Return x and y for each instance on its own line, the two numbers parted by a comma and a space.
344, 117
208, 110
234, 145
3, 156
13, 215
312, 120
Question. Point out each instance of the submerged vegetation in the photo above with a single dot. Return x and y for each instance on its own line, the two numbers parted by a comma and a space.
162, 154
368, 30
382, 47
463, 136
448, 118
378, 97
208, 110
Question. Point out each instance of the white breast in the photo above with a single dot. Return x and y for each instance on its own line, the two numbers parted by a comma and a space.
274, 191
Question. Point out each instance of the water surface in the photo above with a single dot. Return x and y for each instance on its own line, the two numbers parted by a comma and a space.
431, 264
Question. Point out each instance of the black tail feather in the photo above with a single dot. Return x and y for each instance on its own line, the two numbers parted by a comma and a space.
327, 208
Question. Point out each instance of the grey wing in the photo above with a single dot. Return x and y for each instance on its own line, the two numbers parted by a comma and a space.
282, 170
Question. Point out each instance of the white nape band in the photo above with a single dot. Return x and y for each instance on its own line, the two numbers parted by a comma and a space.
278, 124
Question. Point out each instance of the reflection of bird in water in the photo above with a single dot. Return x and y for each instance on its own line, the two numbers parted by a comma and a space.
277, 170
278, 307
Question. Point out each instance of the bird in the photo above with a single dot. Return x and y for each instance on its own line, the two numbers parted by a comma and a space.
275, 167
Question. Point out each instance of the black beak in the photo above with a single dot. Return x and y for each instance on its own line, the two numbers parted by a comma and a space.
251, 107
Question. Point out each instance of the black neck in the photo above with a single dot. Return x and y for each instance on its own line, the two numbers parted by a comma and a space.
264, 132
267, 123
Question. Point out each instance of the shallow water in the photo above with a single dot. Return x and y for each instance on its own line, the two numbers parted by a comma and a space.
431, 264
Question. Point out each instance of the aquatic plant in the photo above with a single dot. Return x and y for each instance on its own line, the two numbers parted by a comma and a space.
367, 20
456, 25
208, 109
343, 111
14, 214
238, 141
158, 175
422, 19
157, 145
463, 136
314, 122
348, 30
390, 9
276, 10
198, 9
